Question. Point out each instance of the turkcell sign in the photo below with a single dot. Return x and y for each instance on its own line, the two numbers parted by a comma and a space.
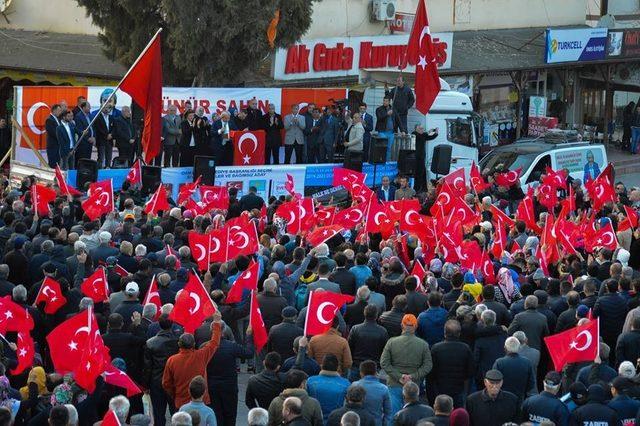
576, 45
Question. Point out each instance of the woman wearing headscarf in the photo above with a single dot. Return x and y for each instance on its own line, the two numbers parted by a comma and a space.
38, 377
391, 282
13, 405
508, 292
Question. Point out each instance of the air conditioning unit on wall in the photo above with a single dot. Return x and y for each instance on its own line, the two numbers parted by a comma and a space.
384, 10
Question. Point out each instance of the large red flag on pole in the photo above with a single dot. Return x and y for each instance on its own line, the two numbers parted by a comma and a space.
421, 52
143, 82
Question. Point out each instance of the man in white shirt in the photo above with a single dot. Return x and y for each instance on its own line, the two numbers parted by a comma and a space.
67, 136
294, 125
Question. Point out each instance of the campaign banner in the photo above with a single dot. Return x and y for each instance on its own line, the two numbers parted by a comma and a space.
538, 126
268, 180
575, 45
33, 105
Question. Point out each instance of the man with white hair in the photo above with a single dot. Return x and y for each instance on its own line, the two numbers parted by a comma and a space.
258, 417
141, 250
271, 303
321, 252
73, 414
181, 418
532, 354
518, 375
120, 406
355, 310
547, 407
532, 322
104, 249
627, 369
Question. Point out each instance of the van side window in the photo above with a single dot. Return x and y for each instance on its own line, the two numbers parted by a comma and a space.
459, 131
539, 169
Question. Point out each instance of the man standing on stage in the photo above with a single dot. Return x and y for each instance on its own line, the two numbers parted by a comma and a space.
403, 99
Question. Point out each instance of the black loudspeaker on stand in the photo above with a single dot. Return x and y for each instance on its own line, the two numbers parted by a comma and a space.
87, 172
353, 160
407, 162
151, 178
378, 149
205, 167
441, 160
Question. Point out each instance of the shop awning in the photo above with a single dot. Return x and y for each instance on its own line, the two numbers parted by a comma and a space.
44, 54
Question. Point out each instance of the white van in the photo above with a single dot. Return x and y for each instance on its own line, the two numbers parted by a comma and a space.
535, 154
451, 114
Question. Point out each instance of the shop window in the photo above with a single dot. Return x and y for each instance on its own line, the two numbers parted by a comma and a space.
459, 131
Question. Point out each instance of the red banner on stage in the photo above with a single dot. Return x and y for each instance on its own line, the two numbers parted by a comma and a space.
248, 147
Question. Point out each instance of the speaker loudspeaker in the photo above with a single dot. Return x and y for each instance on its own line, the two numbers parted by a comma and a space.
378, 150
441, 160
87, 172
151, 178
407, 162
353, 161
205, 167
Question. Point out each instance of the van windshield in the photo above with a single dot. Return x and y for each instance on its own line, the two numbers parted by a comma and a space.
510, 160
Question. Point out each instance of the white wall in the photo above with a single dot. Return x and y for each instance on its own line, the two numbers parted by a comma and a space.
335, 18
627, 7
59, 16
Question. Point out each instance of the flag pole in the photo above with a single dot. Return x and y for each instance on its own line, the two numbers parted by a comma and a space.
112, 94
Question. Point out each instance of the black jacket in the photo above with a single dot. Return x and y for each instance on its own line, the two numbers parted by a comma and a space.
281, 338
411, 414
366, 419
519, 377
262, 388
355, 313
545, 406
452, 366
392, 321
612, 311
484, 411
593, 412
503, 316
628, 347
381, 119
221, 370
534, 324
126, 346
156, 353
488, 347
367, 341
566, 320
345, 279
271, 306
251, 201
416, 302
402, 98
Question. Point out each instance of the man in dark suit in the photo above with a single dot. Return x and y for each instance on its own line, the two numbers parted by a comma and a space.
386, 192
252, 200
367, 122
124, 134
103, 127
312, 132
254, 116
328, 135
67, 135
387, 122
51, 126
273, 126
82, 120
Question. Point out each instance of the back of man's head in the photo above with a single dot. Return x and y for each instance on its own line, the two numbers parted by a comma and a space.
197, 387
181, 418
410, 392
443, 404
272, 361
295, 379
356, 394
59, 416
115, 322
350, 418
330, 363
120, 406
258, 417
186, 341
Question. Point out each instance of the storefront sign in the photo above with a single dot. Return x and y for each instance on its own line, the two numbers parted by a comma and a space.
631, 44
346, 56
538, 126
537, 106
575, 45
402, 23
615, 41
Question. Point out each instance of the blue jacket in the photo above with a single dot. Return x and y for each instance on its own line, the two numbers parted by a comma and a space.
361, 272
545, 406
625, 407
587, 173
519, 377
328, 130
377, 400
431, 325
329, 389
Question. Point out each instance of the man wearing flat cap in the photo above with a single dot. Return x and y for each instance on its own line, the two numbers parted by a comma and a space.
492, 406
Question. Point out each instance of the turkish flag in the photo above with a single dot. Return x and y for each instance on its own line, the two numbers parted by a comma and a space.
322, 234
477, 181
322, 309
94, 358
13, 317
461, 212
119, 378
603, 237
631, 221
450, 239
290, 186
555, 179
41, 196
548, 196
214, 197
153, 296
135, 173
65, 188
100, 200
487, 269
295, 212
347, 178
325, 215
526, 213
601, 189
247, 280
508, 179
419, 273
158, 201
422, 52
378, 219
25, 352
258, 329
242, 238
193, 305
95, 286
499, 240
501, 216
574, 345
187, 190
110, 419
50, 294
120, 271
350, 217
457, 182
442, 205
248, 147
413, 222
564, 239
68, 339
470, 255
143, 82
200, 247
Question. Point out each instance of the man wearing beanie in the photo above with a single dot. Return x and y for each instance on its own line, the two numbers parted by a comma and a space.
405, 358
281, 336
595, 411
546, 406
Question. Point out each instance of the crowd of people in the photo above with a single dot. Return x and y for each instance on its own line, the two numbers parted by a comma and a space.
453, 346
311, 136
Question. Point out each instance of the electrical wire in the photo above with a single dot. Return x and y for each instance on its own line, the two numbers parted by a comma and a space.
46, 49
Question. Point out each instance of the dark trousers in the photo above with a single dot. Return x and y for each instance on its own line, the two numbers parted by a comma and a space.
53, 156
171, 155
224, 402
313, 153
160, 402
288, 150
326, 152
403, 122
105, 152
272, 152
